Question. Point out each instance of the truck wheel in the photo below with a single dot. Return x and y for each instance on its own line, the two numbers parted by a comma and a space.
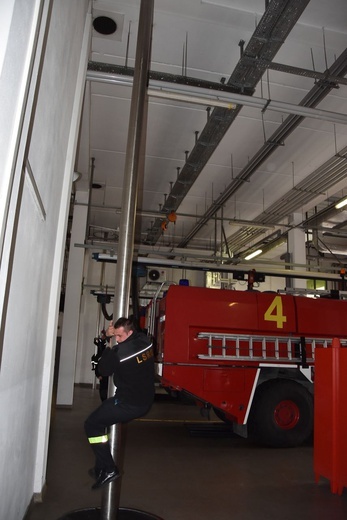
281, 414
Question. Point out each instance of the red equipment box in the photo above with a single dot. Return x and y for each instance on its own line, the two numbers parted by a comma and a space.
330, 418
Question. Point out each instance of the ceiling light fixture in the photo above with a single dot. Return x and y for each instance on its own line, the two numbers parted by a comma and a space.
341, 204
249, 223
255, 253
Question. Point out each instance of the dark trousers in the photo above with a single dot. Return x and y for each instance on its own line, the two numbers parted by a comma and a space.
108, 413
103, 388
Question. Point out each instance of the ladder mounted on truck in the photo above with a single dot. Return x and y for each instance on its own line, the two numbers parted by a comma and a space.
153, 314
317, 293
262, 349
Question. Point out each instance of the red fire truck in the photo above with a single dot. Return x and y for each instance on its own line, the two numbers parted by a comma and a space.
247, 354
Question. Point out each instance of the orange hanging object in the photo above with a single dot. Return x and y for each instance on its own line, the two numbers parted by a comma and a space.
172, 217
164, 225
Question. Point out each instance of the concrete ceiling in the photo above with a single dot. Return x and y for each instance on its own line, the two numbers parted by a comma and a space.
267, 164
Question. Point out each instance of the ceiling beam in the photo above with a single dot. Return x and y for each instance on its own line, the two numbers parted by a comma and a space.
222, 267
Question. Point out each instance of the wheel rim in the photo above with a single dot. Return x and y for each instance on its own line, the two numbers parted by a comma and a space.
286, 415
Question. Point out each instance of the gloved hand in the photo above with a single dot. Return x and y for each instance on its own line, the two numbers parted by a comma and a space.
94, 361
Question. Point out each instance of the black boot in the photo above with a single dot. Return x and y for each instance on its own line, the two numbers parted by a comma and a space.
94, 472
105, 477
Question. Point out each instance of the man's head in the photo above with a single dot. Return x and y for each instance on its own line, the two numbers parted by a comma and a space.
124, 327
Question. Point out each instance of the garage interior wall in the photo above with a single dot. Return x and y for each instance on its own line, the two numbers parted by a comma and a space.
39, 141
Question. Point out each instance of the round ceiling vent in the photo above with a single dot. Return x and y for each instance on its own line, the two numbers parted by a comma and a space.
104, 25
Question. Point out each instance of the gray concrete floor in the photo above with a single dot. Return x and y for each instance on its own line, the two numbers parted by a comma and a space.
177, 473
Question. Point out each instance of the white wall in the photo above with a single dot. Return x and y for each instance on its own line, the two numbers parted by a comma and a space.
67, 357
34, 235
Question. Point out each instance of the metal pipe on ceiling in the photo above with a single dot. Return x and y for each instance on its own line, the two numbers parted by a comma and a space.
331, 172
228, 267
208, 97
294, 200
317, 93
158, 214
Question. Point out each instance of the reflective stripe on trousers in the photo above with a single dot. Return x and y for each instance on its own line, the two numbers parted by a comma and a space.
98, 440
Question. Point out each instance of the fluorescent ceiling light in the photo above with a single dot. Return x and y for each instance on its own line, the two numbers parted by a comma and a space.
342, 203
252, 255
249, 223
219, 3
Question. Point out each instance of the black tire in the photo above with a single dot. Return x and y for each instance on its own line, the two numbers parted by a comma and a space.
281, 414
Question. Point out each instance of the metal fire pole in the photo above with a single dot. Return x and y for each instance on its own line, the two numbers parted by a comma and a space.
138, 111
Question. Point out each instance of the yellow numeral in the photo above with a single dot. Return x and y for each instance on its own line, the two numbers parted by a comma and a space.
275, 312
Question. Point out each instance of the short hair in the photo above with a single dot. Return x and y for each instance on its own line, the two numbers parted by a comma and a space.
127, 323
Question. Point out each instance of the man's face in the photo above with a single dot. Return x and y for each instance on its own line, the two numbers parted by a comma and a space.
121, 334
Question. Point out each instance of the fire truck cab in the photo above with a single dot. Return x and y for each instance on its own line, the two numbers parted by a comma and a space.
249, 355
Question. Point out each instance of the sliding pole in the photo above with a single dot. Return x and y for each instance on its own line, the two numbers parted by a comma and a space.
133, 161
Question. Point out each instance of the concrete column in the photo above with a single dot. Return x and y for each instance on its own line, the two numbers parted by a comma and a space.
68, 349
297, 250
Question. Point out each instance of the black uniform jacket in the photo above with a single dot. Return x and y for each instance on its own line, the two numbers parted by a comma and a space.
132, 364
